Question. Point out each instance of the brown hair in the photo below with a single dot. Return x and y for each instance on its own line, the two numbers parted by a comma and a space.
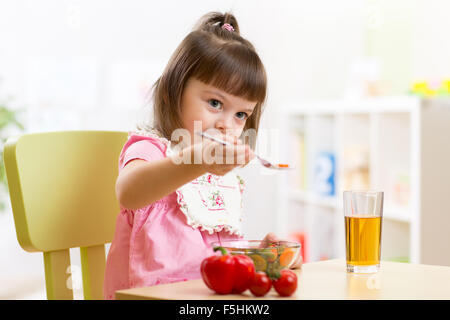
217, 57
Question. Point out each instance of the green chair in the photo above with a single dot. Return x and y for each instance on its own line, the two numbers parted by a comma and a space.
62, 191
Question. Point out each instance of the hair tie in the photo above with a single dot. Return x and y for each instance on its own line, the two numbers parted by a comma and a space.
228, 27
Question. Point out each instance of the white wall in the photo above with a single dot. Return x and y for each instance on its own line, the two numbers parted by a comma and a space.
431, 47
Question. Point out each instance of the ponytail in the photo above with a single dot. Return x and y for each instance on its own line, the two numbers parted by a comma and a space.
214, 22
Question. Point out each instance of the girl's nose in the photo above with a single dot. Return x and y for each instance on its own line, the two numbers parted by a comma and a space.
223, 124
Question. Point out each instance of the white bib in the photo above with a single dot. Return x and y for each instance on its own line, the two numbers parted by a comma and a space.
209, 202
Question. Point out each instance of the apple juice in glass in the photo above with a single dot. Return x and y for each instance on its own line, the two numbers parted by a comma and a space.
363, 211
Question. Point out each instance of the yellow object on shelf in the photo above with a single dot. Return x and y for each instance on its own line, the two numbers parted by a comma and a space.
446, 85
422, 88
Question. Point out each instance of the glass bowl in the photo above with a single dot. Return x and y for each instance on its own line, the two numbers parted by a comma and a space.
269, 257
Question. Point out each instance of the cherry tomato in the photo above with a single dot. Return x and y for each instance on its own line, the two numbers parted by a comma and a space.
286, 284
261, 284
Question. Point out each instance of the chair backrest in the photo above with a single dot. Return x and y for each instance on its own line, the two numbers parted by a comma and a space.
62, 191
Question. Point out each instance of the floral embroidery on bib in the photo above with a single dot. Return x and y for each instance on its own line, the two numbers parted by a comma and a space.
209, 202
213, 203
217, 201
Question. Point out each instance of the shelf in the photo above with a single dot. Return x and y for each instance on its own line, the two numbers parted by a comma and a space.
394, 144
390, 212
398, 214
314, 199
369, 105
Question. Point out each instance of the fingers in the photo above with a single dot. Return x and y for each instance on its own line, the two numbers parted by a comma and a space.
220, 158
224, 169
250, 155
231, 139
237, 154
298, 262
270, 237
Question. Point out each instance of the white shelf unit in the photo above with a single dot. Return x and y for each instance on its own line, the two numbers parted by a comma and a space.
400, 145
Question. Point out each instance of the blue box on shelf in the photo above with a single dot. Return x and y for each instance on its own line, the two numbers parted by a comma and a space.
325, 173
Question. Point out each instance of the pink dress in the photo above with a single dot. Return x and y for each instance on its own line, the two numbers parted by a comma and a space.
155, 244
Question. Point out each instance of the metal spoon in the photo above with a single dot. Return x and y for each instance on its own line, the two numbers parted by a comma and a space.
263, 161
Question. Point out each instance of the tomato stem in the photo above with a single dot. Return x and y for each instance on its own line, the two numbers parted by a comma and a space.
273, 274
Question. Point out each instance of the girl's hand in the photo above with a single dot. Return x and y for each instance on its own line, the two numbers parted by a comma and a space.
270, 237
219, 159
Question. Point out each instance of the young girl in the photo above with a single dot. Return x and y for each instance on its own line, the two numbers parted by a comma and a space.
171, 210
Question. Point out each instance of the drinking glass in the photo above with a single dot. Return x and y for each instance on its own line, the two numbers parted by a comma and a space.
363, 212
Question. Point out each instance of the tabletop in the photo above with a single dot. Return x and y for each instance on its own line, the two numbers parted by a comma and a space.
325, 280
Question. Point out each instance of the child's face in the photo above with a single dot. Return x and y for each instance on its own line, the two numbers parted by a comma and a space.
214, 108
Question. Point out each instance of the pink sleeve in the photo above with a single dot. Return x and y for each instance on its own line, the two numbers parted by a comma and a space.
143, 148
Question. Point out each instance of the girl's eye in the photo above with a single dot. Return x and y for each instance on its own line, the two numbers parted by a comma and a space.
216, 104
242, 115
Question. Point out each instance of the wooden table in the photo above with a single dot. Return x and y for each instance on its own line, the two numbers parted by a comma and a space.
325, 280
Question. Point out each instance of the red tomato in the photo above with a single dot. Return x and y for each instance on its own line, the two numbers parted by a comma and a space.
286, 284
261, 284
